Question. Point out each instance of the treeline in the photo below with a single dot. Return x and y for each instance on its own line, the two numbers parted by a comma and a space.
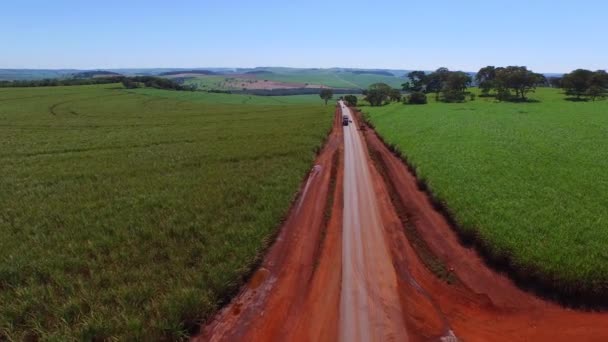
448, 86
127, 82
154, 82
583, 84
379, 94
511, 83
55, 82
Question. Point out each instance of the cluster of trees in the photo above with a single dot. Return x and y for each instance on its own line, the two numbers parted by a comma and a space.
378, 94
448, 86
153, 82
511, 83
585, 83
351, 100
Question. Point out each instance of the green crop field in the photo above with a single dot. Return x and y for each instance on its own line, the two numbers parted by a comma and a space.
326, 77
365, 80
131, 215
207, 82
529, 178
332, 78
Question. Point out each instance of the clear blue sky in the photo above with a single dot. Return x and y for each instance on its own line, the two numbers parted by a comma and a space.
545, 35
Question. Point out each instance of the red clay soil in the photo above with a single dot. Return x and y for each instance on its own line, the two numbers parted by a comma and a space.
296, 295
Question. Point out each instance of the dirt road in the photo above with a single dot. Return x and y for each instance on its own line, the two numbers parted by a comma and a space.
364, 256
369, 302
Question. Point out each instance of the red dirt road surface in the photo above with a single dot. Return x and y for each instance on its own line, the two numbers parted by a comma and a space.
352, 263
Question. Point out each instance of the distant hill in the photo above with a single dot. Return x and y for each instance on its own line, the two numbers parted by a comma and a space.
189, 72
96, 73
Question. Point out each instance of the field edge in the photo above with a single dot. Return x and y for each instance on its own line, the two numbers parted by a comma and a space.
570, 294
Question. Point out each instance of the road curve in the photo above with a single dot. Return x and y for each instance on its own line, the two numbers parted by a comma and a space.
369, 301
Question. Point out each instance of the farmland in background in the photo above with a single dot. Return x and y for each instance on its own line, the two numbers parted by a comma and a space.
334, 78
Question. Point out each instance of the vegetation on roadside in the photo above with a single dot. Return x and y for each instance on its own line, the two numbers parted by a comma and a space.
524, 180
351, 100
133, 214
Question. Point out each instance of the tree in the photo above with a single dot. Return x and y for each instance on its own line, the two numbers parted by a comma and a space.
518, 79
435, 81
577, 82
377, 93
455, 85
326, 94
417, 81
595, 92
417, 97
582, 82
395, 95
598, 86
485, 78
555, 82
351, 100
129, 84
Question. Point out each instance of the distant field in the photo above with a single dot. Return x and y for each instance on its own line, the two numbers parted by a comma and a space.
333, 78
530, 178
327, 77
129, 214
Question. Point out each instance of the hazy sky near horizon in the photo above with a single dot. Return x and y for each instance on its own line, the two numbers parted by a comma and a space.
545, 35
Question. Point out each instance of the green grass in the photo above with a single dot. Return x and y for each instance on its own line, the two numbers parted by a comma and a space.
130, 215
321, 77
529, 179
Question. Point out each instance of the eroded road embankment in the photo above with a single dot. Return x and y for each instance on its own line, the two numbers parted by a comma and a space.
352, 263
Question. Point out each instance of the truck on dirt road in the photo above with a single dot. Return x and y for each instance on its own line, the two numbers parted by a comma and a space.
345, 120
